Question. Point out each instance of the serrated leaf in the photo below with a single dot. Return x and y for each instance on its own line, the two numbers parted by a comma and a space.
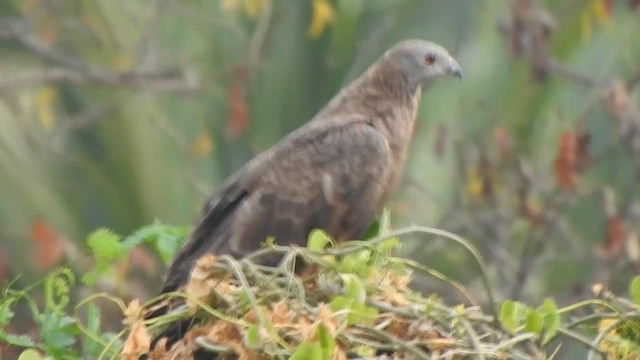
318, 239
167, 247
89, 346
533, 321
17, 340
105, 245
634, 290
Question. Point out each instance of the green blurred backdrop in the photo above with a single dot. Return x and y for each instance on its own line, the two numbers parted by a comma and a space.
115, 113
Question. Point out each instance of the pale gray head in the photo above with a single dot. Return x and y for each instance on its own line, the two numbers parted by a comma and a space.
421, 61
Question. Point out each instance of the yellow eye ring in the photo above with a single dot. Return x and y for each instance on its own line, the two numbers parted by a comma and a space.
430, 59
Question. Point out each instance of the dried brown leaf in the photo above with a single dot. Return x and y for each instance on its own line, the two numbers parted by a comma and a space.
565, 163
133, 313
199, 287
137, 343
237, 104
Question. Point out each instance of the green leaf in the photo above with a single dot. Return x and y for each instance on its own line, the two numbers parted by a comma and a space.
509, 315
340, 303
355, 288
57, 331
533, 321
105, 245
17, 340
385, 222
318, 239
31, 354
90, 347
106, 248
634, 290
6, 314
327, 342
252, 336
167, 246
308, 351
167, 238
370, 315
356, 313
551, 317
388, 245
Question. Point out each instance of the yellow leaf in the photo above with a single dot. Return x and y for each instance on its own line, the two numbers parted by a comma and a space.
252, 8
475, 185
124, 63
323, 14
599, 8
230, 5
44, 106
203, 145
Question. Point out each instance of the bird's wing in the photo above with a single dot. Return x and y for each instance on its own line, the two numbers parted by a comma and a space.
330, 178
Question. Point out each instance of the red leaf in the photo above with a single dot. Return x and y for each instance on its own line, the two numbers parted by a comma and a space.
237, 104
48, 246
616, 235
565, 164
583, 139
502, 140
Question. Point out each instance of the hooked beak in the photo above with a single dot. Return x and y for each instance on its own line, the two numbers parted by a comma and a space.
454, 68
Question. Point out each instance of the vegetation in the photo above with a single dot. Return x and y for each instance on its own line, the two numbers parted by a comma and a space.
116, 113
352, 299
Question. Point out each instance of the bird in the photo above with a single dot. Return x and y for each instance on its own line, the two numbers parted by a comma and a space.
333, 173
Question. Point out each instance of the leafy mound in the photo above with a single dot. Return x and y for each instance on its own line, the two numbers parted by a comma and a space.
350, 301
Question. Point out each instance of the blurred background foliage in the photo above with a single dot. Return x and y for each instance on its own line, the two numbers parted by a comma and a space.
115, 113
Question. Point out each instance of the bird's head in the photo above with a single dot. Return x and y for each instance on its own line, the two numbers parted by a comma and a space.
421, 61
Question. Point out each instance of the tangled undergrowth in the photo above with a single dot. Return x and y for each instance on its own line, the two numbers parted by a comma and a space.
350, 301
326, 301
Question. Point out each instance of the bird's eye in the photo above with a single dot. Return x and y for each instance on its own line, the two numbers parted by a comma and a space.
430, 59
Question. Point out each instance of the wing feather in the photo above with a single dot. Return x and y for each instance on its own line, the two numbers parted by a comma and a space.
330, 178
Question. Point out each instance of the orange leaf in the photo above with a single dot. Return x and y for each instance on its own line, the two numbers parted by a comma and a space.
202, 145
49, 34
502, 141
237, 104
565, 163
48, 246
616, 235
